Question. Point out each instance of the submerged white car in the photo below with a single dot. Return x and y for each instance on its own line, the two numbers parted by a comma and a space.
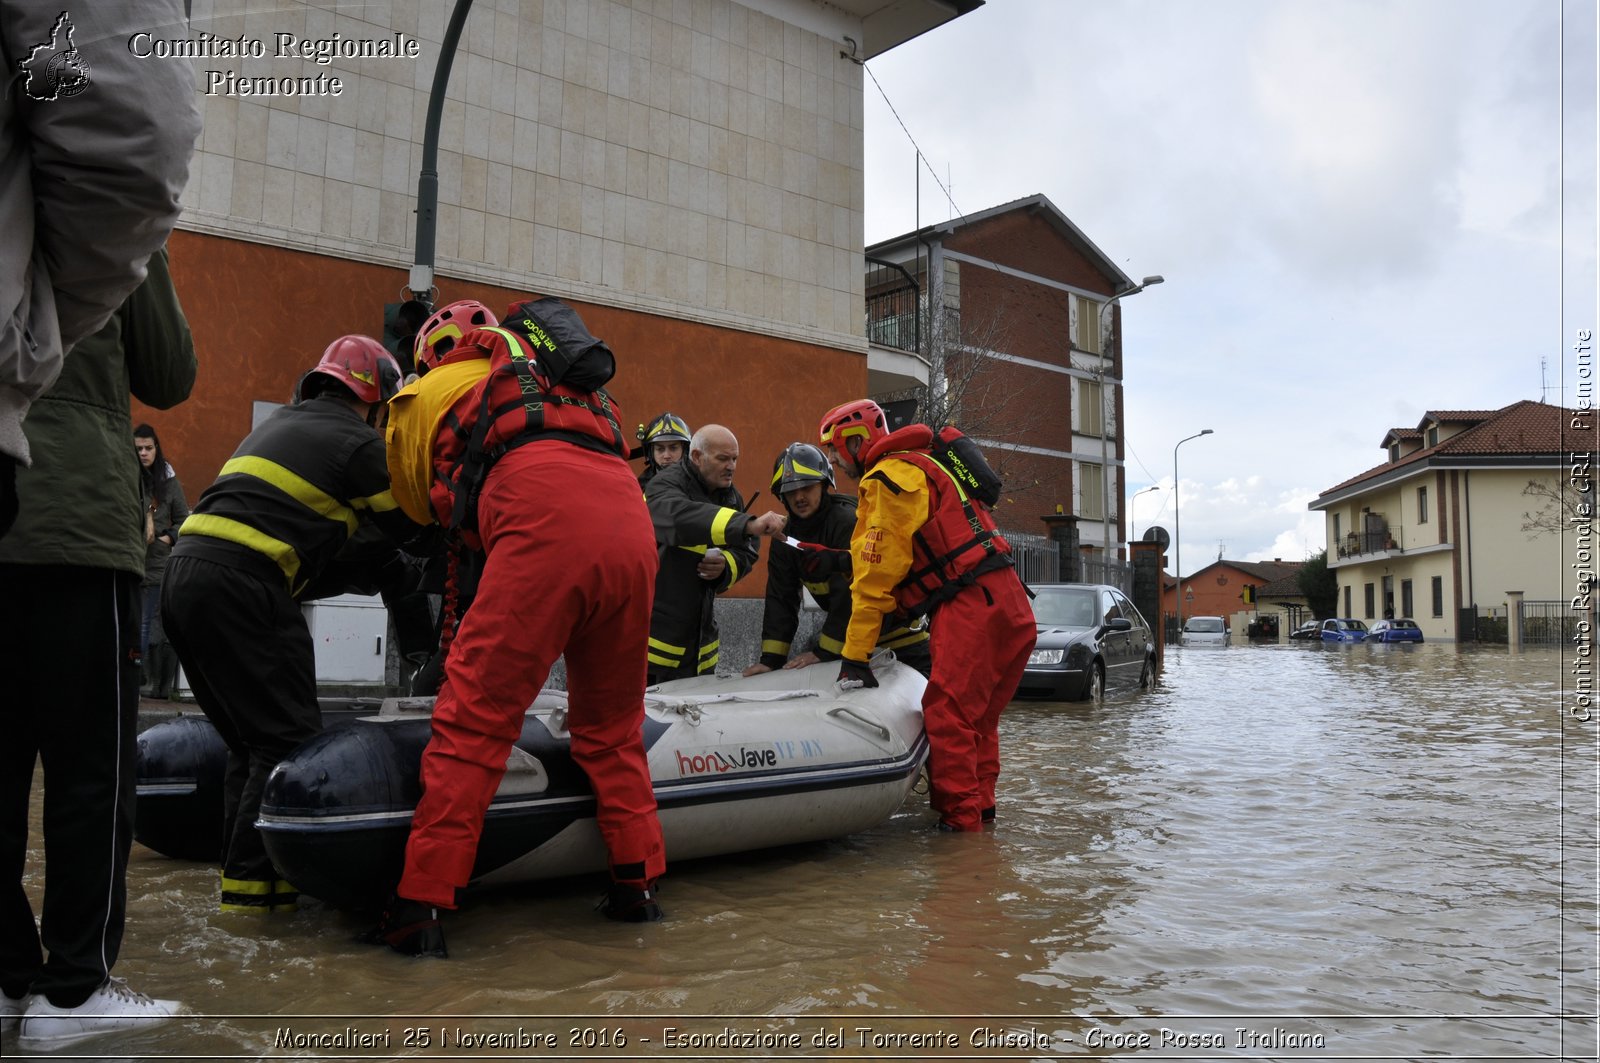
1204, 631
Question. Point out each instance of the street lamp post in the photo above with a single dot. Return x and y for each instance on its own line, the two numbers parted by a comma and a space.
1105, 463
1177, 538
1136, 494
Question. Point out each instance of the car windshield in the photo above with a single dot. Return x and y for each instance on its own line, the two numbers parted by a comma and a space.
1064, 606
1351, 625
1204, 623
1403, 624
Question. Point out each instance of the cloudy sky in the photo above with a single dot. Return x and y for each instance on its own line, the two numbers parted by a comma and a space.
1363, 209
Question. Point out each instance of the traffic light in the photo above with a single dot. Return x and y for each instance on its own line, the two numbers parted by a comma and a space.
400, 324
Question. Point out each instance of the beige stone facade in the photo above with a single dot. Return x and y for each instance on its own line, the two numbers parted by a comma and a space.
699, 159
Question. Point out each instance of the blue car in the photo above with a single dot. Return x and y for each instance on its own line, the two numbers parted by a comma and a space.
1401, 630
1343, 629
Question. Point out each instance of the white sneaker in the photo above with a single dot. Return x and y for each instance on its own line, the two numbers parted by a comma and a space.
11, 1010
112, 1007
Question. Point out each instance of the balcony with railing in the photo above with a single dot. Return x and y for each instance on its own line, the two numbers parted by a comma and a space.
1371, 543
894, 310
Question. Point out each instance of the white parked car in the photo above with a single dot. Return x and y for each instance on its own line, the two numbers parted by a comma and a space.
1204, 631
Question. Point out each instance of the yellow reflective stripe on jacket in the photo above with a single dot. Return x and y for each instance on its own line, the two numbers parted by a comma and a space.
297, 487
774, 646
719, 526
710, 649
382, 502
894, 641
831, 644
279, 552
733, 568
818, 588
669, 656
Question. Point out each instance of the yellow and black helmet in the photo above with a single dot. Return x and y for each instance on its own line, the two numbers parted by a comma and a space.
666, 428
798, 465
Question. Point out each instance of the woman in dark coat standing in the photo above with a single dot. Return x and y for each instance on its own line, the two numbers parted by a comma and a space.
167, 509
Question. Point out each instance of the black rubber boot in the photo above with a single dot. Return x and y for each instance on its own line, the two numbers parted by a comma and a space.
410, 928
630, 903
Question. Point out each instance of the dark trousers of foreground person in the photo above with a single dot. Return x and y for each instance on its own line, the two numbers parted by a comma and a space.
69, 649
248, 655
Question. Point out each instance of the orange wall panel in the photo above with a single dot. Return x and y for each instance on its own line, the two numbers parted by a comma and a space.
262, 315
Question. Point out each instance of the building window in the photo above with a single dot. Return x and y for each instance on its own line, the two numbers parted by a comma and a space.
1370, 599
1422, 505
1407, 605
1438, 596
1091, 491
1433, 436
1086, 337
1347, 601
1091, 408
1394, 452
1335, 539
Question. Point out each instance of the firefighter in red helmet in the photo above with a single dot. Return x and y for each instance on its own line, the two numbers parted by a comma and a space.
524, 481
283, 507
923, 546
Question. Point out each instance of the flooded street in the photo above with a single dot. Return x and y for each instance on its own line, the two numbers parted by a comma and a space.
1382, 852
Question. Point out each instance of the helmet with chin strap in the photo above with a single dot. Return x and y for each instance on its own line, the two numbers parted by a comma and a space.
800, 464
666, 428
862, 419
440, 333
361, 364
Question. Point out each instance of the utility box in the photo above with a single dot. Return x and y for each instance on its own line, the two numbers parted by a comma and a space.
349, 633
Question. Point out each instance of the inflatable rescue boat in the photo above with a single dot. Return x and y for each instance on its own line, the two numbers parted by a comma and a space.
737, 764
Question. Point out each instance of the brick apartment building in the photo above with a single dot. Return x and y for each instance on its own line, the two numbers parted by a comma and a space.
1030, 361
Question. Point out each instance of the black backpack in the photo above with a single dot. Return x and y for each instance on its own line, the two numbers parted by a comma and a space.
966, 463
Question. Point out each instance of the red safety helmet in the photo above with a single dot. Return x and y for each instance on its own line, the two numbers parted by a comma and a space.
359, 363
440, 333
861, 419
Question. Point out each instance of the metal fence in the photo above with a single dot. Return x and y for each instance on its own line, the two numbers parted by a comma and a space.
1038, 557
1039, 561
1549, 623
1544, 623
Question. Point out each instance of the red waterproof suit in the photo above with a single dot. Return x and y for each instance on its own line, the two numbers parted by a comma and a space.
571, 569
919, 540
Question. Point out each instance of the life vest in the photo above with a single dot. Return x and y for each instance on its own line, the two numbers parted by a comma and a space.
513, 404
958, 543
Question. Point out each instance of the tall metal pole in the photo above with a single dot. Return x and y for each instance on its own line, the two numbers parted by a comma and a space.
1105, 461
421, 279
1177, 534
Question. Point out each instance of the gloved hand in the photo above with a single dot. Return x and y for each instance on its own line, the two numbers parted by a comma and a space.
817, 563
853, 674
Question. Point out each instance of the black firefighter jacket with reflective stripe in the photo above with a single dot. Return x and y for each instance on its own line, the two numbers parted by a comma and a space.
830, 526
689, 518
293, 493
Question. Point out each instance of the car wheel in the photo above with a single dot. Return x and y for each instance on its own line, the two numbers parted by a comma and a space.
1094, 684
1147, 674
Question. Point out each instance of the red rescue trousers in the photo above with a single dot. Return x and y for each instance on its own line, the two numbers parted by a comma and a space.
980, 643
571, 569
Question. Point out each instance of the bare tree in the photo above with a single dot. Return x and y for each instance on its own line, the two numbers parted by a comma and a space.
968, 387
1560, 505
